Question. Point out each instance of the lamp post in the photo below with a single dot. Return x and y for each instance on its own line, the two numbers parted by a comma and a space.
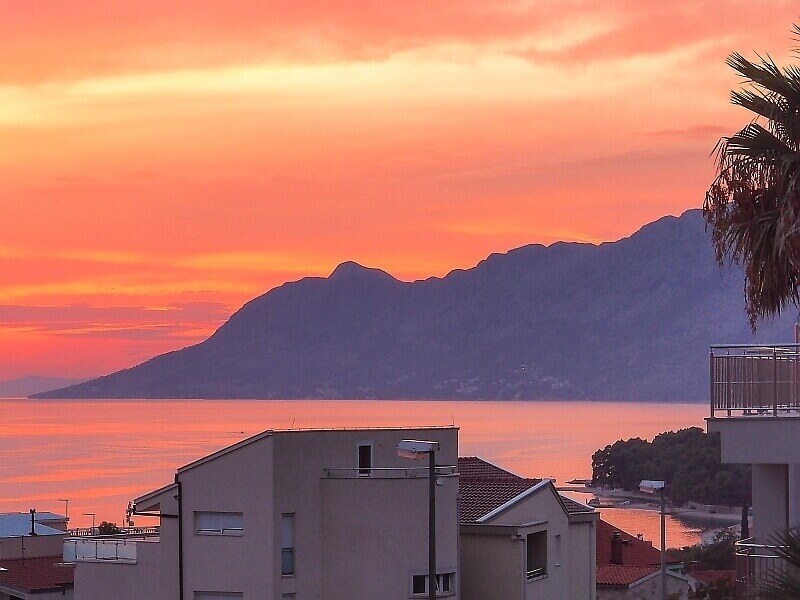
652, 487
417, 449
93, 515
66, 507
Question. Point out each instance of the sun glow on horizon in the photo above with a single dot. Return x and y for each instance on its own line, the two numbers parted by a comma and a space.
160, 166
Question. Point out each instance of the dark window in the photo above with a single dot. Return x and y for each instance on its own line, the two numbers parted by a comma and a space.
537, 554
444, 582
287, 544
419, 584
365, 459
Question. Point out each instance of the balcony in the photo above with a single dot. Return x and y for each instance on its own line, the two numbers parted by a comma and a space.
755, 381
118, 548
755, 561
388, 472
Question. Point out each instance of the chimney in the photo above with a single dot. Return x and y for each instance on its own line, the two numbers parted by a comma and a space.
616, 548
33, 521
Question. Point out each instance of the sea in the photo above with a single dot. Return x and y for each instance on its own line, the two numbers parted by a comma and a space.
99, 454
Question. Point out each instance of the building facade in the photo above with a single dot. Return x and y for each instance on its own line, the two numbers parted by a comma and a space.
31, 565
339, 514
288, 514
522, 540
755, 407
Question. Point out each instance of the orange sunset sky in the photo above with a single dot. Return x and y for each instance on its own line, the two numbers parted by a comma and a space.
163, 162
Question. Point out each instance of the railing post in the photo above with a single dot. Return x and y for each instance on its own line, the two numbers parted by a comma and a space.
711, 378
774, 381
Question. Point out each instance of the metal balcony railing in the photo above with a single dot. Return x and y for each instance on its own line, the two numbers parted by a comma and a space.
123, 531
750, 380
387, 472
754, 561
116, 548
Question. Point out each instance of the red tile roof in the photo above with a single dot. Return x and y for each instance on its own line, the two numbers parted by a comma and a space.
472, 466
575, 507
712, 576
635, 552
484, 487
36, 574
639, 557
623, 575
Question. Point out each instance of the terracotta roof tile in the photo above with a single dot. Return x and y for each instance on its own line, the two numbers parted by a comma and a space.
36, 574
484, 487
712, 576
635, 552
623, 575
575, 507
481, 495
472, 466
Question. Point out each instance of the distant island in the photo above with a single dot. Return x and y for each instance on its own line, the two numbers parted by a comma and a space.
625, 320
688, 460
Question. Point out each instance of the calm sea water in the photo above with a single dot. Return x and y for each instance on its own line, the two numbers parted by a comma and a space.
102, 453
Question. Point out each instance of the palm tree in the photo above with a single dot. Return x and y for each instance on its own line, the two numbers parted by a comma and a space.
753, 205
782, 583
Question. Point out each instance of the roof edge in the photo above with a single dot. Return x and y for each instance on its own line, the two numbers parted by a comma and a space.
519, 497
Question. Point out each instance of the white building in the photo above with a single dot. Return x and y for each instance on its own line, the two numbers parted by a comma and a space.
329, 514
755, 407
520, 539
30, 557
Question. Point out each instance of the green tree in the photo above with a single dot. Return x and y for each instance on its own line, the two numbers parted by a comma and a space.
106, 528
688, 460
753, 204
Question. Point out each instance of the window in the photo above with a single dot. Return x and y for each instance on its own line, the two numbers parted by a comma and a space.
364, 459
445, 584
218, 523
287, 544
536, 548
558, 550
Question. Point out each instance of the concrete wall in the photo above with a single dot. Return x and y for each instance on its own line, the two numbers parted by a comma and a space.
758, 440
492, 567
770, 500
300, 460
583, 560
650, 589
31, 546
240, 481
375, 535
564, 578
154, 576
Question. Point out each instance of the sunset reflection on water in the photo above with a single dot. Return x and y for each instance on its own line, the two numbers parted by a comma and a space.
102, 453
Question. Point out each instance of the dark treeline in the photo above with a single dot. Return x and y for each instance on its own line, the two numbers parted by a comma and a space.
688, 460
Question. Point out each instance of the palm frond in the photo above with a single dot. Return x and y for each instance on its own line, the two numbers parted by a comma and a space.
753, 204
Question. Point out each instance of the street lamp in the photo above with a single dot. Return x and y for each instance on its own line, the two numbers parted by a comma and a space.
417, 449
93, 515
653, 487
66, 507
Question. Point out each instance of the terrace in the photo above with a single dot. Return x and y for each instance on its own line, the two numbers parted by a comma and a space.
749, 380
84, 545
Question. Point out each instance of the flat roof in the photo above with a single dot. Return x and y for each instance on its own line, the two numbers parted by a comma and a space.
19, 524
269, 432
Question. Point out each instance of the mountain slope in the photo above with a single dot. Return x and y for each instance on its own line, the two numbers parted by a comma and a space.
631, 319
33, 384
